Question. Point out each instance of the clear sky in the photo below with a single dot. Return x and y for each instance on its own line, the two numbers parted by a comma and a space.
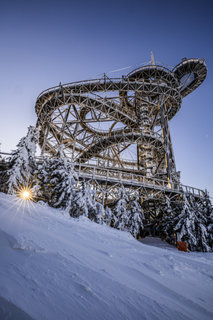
47, 42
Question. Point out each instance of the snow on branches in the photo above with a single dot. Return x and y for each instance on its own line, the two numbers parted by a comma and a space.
128, 214
189, 221
120, 211
22, 161
56, 181
136, 217
84, 203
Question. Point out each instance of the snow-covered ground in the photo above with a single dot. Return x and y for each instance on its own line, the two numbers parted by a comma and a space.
55, 267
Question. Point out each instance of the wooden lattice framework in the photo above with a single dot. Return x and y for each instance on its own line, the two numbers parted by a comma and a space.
99, 121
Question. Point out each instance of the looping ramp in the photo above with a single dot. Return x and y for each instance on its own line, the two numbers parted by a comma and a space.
102, 120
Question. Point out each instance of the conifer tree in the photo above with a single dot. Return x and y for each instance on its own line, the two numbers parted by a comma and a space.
136, 217
84, 203
121, 215
166, 224
99, 215
207, 205
207, 210
22, 162
43, 177
191, 225
65, 189
77, 208
190, 222
63, 180
57, 181
108, 217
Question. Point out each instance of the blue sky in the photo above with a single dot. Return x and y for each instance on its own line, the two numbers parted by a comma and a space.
47, 42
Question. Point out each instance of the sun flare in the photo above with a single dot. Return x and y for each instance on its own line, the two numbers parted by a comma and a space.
25, 194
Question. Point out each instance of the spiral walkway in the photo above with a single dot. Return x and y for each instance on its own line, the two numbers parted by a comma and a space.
102, 121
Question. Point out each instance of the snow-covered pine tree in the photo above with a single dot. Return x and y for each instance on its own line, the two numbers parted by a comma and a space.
63, 180
190, 223
136, 217
166, 224
84, 203
77, 209
207, 211
207, 205
4, 167
42, 180
108, 217
89, 209
22, 162
193, 228
58, 179
99, 215
121, 214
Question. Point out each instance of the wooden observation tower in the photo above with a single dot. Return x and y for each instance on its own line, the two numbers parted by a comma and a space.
116, 130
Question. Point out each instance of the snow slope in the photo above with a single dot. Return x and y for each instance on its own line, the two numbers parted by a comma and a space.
55, 267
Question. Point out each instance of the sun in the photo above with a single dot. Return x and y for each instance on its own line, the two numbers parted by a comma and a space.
25, 193
25, 197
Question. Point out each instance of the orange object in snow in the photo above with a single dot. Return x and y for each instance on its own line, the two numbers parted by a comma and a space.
182, 246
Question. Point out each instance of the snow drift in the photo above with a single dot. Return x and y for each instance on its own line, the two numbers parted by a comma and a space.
56, 267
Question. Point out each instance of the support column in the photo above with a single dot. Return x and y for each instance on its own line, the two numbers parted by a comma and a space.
165, 133
45, 140
144, 150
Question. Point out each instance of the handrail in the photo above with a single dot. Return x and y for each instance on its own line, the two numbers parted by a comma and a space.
73, 84
110, 174
107, 79
187, 61
94, 81
138, 177
150, 66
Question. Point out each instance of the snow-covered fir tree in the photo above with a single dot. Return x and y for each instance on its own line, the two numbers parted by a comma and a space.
108, 216
22, 162
77, 208
42, 174
100, 213
190, 224
166, 225
136, 217
62, 180
121, 214
207, 205
207, 210
84, 203
57, 180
